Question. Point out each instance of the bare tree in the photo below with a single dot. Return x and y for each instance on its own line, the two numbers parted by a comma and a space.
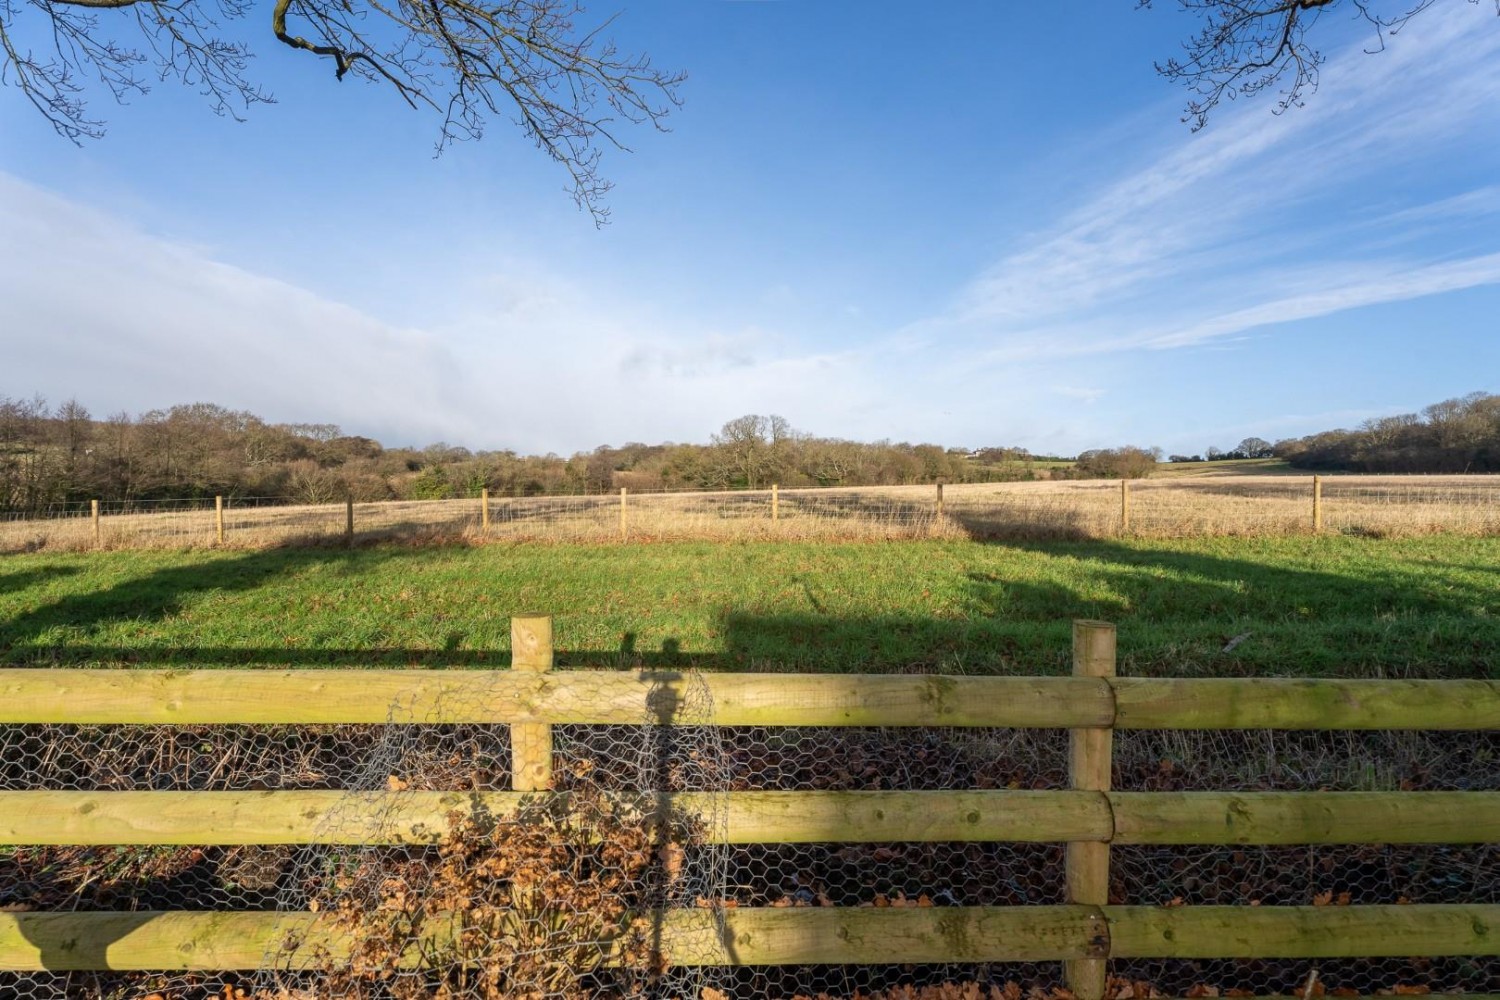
1254, 447
1246, 46
753, 449
567, 87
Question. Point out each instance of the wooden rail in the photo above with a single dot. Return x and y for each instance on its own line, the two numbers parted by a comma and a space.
595, 697
805, 936
750, 936
338, 817
580, 697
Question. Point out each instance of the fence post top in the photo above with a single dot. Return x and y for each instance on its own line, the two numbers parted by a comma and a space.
531, 642
1092, 623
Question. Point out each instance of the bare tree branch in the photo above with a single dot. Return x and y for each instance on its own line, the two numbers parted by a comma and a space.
1247, 46
468, 60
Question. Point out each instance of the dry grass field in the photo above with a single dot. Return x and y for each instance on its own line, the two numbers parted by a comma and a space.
1167, 507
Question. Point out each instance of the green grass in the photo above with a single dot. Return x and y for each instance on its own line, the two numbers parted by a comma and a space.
1332, 606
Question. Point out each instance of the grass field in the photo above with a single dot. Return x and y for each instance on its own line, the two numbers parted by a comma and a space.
1335, 606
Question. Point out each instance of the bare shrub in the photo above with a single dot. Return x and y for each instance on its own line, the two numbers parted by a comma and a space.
554, 902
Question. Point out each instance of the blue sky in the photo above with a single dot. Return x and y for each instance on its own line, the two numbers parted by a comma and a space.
982, 226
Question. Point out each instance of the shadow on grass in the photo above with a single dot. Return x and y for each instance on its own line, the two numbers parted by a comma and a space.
1019, 524
1179, 613
1177, 608
163, 593
22, 579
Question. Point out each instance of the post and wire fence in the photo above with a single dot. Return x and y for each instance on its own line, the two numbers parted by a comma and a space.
1262, 505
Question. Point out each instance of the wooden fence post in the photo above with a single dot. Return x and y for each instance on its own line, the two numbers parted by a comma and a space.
484, 509
94, 514
531, 742
1317, 504
349, 522
219, 518
775, 502
1124, 506
939, 500
1089, 762
623, 491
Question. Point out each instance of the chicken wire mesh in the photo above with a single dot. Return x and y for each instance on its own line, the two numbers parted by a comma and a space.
688, 865
537, 900
1307, 875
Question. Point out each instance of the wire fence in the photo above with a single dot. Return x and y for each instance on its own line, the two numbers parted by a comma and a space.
1259, 505
273, 878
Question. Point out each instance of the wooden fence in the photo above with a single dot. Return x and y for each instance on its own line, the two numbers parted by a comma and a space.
1084, 932
1173, 507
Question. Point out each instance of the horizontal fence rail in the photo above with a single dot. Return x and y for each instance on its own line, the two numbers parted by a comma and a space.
762, 817
595, 697
751, 936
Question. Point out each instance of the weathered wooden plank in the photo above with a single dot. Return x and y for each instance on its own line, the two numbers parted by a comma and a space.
1306, 817
336, 817
32, 942
602, 697
1303, 931
896, 817
64, 942
251, 817
869, 936
1288, 703
590, 697
1090, 763
240, 940
531, 742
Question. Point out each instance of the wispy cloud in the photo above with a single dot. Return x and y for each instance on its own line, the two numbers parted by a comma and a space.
1079, 392
1263, 219
1381, 285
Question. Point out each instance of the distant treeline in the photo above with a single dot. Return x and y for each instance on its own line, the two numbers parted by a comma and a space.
1456, 435
58, 455
55, 455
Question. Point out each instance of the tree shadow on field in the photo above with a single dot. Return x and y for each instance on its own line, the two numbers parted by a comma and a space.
1177, 611
165, 592
1398, 610
1018, 523
25, 578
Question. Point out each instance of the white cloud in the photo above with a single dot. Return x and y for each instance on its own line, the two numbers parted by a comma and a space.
96, 309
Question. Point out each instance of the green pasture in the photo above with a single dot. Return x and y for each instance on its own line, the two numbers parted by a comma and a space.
1332, 606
